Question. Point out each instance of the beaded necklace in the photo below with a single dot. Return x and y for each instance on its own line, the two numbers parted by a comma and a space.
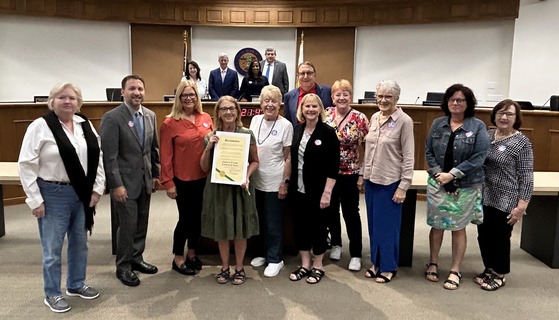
268, 135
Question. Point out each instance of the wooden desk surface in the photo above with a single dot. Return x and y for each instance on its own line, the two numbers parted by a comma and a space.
9, 173
545, 183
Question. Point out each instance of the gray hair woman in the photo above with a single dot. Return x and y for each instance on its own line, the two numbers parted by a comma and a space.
61, 171
387, 174
274, 135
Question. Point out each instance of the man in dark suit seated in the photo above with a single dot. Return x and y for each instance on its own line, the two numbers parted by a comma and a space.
223, 80
306, 74
131, 158
275, 71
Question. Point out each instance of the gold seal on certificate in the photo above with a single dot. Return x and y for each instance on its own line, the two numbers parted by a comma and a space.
230, 162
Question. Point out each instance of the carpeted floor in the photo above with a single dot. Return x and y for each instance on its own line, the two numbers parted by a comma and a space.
531, 291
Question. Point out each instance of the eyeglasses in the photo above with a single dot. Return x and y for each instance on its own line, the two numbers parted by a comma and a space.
508, 114
308, 74
225, 109
188, 95
458, 100
380, 97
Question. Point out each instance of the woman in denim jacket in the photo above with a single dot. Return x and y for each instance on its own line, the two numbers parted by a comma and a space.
455, 150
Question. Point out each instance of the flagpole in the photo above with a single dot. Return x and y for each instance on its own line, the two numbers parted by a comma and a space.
301, 59
185, 53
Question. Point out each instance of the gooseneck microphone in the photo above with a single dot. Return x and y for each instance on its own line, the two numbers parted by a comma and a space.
415, 103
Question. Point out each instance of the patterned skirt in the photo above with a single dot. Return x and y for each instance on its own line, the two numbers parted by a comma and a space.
453, 212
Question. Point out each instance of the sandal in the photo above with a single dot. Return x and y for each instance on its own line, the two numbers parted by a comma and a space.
450, 284
223, 277
493, 283
370, 274
482, 277
384, 279
315, 276
239, 277
432, 276
299, 274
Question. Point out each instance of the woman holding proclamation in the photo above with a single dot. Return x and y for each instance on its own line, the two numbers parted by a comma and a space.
351, 128
61, 171
229, 211
509, 181
274, 135
456, 148
387, 174
314, 168
182, 143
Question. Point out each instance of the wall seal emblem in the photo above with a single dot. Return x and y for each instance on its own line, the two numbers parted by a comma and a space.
244, 57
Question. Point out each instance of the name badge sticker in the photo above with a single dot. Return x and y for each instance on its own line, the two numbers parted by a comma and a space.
274, 132
391, 124
502, 148
318, 142
206, 125
469, 134
131, 124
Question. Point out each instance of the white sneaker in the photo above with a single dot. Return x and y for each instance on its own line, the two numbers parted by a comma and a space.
258, 262
354, 264
273, 269
336, 253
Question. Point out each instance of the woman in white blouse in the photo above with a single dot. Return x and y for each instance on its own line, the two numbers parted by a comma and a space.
194, 75
61, 171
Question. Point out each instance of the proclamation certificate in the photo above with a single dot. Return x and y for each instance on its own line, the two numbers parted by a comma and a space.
230, 162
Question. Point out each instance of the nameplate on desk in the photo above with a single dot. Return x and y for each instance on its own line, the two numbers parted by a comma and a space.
367, 101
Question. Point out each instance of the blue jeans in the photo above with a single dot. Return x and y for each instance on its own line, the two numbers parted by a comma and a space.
64, 214
270, 215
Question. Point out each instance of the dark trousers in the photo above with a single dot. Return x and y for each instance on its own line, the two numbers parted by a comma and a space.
189, 203
493, 236
133, 216
269, 243
346, 193
309, 224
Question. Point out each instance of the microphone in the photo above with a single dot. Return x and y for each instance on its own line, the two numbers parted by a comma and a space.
415, 103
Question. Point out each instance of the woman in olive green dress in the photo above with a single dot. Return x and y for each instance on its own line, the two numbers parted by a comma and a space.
229, 211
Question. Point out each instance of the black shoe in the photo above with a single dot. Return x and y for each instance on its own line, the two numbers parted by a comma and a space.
128, 278
144, 267
194, 264
183, 269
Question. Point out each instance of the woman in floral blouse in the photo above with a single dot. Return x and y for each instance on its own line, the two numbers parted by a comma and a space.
351, 127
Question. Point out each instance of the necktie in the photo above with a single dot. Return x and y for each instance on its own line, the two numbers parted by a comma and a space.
268, 72
223, 73
139, 125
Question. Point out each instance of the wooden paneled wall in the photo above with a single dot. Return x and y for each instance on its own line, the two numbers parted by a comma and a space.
542, 127
269, 13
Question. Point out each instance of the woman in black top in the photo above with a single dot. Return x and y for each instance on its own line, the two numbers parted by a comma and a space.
253, 82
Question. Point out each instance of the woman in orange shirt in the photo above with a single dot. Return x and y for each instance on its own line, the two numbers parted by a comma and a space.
182, 143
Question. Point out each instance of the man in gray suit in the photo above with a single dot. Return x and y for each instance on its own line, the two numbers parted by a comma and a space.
131, 158
275, 71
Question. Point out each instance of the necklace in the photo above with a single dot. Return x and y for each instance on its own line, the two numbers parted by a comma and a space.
270, 132
343, 119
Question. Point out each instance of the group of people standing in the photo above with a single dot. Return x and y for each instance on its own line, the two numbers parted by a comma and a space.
224, 81
320, 156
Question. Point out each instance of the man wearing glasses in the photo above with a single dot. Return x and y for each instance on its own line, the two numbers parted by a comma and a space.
306, 75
